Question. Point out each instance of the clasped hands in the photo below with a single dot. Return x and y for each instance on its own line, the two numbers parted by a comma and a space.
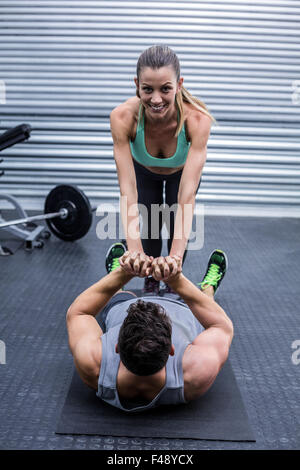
141, 265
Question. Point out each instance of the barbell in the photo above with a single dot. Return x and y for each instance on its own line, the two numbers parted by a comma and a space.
67, 212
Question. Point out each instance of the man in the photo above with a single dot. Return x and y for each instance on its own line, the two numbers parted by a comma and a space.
152, 350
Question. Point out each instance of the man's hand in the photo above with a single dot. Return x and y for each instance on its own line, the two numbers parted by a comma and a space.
166, 269
137, 264
141, 265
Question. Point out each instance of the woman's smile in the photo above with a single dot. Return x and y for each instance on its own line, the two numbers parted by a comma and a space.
157, 109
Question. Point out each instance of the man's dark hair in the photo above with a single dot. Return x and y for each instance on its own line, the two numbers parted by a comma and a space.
144, 340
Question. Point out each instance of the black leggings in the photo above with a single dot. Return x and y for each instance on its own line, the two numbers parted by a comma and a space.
150, 191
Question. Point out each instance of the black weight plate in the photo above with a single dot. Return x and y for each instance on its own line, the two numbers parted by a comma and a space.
79, 219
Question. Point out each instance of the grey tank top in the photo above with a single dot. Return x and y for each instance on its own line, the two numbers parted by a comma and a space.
185, 327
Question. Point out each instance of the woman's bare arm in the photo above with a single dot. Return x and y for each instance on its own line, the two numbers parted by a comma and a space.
122, 121
199, 130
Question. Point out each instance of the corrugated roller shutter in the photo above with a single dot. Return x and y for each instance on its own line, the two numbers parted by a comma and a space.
67, 64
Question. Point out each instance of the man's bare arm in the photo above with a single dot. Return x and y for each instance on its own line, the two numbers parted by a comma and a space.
205, 309
83, 329
93, 299
209, 350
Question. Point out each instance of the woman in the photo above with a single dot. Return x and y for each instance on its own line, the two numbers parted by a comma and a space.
160, 137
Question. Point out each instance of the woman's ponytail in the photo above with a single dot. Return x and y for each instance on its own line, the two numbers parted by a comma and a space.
185, 96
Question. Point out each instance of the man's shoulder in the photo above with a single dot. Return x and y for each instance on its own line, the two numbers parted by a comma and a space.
200, 369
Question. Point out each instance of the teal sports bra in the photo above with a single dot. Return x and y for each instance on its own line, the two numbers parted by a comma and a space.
140, 154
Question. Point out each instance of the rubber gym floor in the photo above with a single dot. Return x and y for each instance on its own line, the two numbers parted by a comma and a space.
260, 293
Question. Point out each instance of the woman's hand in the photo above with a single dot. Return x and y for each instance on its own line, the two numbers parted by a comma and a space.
166, 268
136, 263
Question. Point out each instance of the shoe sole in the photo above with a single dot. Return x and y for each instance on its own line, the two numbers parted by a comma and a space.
119, 243
225, 256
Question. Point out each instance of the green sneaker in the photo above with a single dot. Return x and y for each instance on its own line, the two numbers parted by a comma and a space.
112, 256
216, 269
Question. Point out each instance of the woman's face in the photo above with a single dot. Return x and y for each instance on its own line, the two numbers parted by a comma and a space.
157, 89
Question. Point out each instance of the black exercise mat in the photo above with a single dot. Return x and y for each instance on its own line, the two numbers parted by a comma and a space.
218, 415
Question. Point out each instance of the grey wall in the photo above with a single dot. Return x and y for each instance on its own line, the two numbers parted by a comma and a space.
66, 64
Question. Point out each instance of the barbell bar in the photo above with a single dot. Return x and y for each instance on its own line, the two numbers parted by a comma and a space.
67, 212
63, 213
